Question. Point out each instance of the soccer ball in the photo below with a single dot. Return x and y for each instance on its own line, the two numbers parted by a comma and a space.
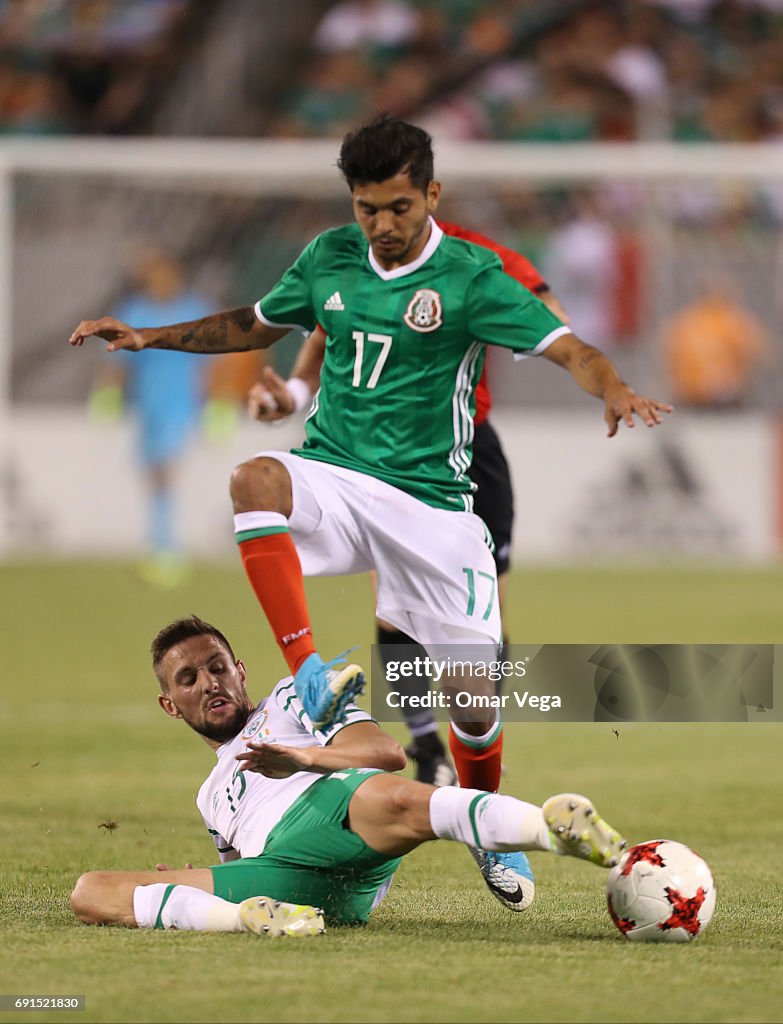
660, 891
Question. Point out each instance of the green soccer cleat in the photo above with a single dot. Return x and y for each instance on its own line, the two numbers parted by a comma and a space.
265, 916
579, 831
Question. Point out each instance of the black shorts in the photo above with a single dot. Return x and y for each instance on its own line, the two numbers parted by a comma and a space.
494, 500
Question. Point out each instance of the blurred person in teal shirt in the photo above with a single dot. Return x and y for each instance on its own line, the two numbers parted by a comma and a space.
166, 394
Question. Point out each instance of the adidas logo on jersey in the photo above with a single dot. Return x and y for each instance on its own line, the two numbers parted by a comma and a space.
334, 302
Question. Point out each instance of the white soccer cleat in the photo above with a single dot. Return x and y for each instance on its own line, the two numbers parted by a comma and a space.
265, 916
580, 832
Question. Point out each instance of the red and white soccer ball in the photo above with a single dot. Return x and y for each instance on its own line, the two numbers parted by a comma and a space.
660, 891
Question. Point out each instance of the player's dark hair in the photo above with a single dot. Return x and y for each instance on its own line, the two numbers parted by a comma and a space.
383, 148
175, 633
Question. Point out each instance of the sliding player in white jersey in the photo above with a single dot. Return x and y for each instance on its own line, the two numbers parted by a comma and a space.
309, 823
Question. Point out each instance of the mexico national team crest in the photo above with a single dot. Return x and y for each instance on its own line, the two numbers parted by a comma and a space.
425, 311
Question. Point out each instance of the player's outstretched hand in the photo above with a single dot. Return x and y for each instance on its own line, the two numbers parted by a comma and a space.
115, 332
270, 400
275, 760
166, 867
622, 403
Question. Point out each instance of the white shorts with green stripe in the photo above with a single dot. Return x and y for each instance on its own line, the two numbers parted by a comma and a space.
436, 574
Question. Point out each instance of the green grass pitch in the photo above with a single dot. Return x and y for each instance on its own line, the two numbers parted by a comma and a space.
83, 744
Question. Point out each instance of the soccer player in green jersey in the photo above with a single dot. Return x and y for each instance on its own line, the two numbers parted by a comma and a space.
306, 818
381, 481
272, 399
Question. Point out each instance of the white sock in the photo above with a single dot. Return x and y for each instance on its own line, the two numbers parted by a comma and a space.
469, 740
181, 906
488, 820
262, 522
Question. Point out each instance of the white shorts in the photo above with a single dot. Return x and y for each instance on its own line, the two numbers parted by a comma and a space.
436, 574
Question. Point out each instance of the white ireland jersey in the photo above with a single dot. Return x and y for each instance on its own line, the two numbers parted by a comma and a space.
240, 808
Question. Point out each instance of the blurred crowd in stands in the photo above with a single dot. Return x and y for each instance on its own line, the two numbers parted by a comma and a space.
547, 72
82, 65
526, 70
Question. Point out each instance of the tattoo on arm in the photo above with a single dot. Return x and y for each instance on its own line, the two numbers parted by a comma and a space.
595, 372
217, 333
213, 332
588, 357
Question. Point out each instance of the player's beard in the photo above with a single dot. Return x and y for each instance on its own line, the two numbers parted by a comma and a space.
400, 250
225, 730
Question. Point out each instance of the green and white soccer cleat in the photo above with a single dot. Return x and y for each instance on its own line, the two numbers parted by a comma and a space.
579, 830
265, 916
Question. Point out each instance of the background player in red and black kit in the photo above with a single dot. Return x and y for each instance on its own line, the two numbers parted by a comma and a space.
274, 398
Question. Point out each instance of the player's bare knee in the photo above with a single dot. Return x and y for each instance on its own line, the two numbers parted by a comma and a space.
261, 484
409, 804
84, 898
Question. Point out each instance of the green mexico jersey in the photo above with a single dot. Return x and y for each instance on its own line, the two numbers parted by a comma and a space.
404, 351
